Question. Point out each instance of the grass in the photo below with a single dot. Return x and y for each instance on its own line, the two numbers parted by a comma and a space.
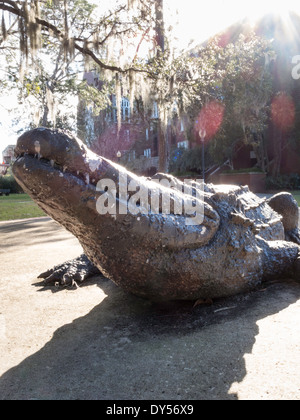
296, 195
18, 206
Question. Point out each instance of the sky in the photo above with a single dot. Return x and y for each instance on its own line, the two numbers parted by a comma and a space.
191, 19
200, 19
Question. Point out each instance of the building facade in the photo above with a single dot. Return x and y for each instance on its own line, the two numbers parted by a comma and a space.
7, 159
134, 141
8, 156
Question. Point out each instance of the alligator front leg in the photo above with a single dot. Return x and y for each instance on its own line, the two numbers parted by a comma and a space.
280, 259
286, 205
70, 272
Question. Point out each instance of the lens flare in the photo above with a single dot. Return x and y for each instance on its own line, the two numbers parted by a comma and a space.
210, 119
283, 111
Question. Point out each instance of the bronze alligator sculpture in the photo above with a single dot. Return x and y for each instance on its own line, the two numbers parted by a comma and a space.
241, 241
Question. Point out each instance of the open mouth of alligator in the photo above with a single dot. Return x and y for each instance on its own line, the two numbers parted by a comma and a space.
53, 152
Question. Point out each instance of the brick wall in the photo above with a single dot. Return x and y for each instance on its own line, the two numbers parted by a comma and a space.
255, 181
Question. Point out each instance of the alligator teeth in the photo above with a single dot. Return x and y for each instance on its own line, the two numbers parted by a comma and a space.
37, 147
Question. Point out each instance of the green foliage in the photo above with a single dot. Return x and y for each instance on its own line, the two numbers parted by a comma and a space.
283, 182
186, 161
8, 182
235, 77
238, 77
97, 99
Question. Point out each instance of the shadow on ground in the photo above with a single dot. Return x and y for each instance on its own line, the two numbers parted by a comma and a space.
37, 231
127, 348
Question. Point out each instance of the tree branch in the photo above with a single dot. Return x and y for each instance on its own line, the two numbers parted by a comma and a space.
11, 7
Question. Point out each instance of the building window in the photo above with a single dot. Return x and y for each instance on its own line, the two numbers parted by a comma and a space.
125, 109
183, 144
147, 153
147, 134
131, 155
155, 111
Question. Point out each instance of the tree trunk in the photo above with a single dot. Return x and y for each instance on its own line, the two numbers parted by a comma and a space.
261, 153
160, 26
45, 116
278, 154
162, 147
161, 128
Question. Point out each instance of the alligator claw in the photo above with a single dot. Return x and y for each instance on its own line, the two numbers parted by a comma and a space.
70, 273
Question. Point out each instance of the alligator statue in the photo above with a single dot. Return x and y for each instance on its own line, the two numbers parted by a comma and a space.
239, 241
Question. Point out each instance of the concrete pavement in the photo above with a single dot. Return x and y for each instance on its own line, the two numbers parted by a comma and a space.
98, 342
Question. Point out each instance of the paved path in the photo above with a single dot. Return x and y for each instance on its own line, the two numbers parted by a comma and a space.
98, 342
